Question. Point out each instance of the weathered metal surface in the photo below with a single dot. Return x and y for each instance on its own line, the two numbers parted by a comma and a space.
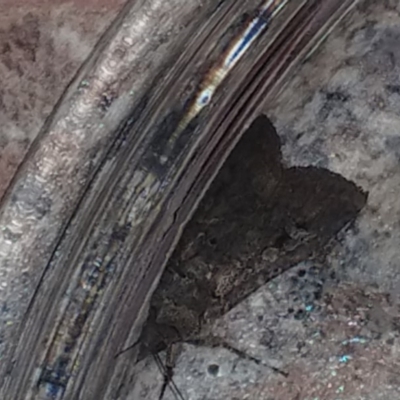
119, 168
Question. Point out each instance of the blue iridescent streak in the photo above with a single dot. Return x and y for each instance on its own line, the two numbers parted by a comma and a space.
258, 26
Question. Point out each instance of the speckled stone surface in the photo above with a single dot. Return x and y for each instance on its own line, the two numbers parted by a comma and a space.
343, 112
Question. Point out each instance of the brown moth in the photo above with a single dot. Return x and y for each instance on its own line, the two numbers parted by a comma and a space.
258, 219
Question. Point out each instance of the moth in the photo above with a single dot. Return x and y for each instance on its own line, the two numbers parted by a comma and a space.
259, 218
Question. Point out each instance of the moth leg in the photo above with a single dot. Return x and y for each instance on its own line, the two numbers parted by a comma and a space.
167, 370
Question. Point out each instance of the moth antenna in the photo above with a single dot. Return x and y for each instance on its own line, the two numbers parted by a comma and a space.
130, 347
